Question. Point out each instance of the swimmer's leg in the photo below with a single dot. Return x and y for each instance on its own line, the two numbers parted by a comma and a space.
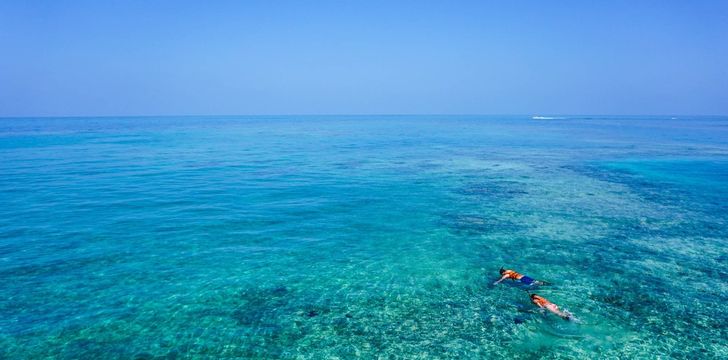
569, 316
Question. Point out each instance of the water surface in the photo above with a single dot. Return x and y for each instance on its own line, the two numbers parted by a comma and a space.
375, 236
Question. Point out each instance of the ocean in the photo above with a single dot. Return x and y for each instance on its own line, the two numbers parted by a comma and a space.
325, 237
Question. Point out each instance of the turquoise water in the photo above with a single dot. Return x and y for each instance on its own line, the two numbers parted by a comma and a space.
374, 236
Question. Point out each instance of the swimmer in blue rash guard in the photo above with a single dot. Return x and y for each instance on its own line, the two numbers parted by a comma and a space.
510, 274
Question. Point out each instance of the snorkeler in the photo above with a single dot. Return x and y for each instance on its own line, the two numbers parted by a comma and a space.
510, 274
548, 305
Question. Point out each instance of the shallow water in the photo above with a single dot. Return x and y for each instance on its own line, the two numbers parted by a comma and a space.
374, 236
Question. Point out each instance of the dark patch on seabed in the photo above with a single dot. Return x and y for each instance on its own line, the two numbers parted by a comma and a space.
475, 224
260, 305
489, 194
493, 190
63, 266
654, 190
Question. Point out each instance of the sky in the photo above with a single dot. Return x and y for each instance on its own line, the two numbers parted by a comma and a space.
109, 58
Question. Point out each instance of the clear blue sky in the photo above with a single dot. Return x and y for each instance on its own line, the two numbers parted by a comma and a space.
364, 57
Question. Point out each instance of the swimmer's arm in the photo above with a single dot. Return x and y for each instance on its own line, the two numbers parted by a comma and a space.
501, 279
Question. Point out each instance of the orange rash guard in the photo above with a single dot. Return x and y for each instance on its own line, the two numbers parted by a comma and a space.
510, 274
541, 301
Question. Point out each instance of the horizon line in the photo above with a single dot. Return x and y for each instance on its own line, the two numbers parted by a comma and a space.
356, 114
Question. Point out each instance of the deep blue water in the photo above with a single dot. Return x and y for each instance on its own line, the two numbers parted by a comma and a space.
375, 236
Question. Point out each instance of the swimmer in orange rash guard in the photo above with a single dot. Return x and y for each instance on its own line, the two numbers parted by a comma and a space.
548, 305
510, 274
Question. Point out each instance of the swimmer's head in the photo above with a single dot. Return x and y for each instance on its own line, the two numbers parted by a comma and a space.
502, 270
